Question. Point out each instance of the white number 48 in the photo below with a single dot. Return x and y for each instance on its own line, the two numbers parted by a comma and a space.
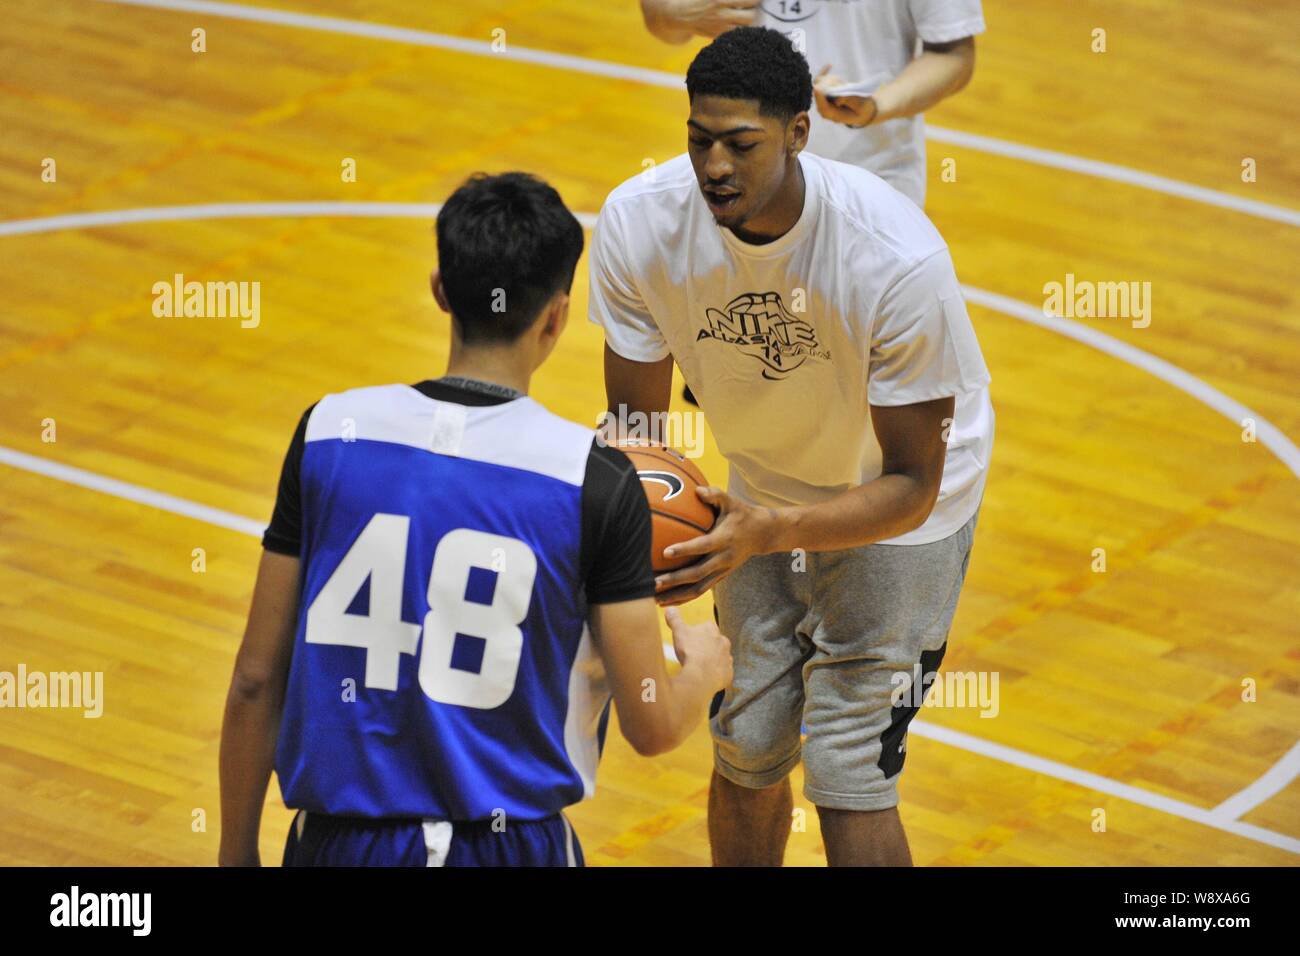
379, 553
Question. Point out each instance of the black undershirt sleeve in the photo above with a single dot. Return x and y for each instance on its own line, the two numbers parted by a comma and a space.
284, 533
616, 531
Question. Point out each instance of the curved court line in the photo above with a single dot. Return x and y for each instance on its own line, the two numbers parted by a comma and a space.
1268, 434
1274, 781
1083, 778
1272, 437
1222, 817
650, 77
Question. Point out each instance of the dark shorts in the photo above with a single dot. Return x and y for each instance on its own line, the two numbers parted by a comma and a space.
316, 839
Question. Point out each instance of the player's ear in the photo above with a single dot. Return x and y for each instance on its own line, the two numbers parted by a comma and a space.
799, 129
435, 283
557, 315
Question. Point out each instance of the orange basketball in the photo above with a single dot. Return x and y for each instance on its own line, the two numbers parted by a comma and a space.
669, 480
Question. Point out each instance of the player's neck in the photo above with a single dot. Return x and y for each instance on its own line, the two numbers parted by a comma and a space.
781, 214
490, 365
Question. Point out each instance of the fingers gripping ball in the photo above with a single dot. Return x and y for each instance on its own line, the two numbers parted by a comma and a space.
677, 514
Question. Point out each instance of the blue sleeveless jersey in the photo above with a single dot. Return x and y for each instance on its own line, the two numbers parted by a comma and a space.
442, 666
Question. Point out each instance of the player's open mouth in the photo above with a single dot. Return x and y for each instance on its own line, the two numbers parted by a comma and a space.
721, 202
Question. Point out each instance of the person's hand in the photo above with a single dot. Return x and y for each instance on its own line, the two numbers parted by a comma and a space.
711, 18
855, 111
742, 531
704, 646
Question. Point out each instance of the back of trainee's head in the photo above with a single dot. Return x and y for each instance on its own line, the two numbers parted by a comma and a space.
506, 245
753, 63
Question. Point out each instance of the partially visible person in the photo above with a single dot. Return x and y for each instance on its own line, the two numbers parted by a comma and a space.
676, 21
889, 60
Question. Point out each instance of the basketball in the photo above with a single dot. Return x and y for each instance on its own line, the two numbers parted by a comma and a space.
677, 514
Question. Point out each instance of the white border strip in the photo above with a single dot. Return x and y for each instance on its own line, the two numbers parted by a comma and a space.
1222, 817
636, 74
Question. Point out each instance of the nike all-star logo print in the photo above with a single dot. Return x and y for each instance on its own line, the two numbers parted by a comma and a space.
673, 483
759, 324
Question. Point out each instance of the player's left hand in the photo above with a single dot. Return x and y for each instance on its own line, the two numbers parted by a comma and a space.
741, 531
849, 110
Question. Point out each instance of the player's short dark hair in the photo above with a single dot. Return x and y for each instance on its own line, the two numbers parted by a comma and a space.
506, 245
753, 63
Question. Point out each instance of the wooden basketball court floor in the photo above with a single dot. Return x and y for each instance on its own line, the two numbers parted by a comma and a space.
1159, 697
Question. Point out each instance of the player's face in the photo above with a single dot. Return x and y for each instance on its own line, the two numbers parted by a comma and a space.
738, 155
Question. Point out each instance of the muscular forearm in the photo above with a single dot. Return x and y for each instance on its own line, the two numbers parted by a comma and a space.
925, 81
248, 738
884, 508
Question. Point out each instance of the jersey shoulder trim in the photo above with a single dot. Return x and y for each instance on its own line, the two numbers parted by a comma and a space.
515, 434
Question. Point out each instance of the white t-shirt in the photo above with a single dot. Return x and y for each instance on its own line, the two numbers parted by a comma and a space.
785, 345
870, 41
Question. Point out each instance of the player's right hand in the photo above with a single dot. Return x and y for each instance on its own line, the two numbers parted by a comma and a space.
703, 646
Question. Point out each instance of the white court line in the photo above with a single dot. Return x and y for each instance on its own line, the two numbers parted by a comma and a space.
1272, 781
636, 74
124, 489
1092, 781
1268, 434
1277, 779
1272, 437
1217, 818
234, 210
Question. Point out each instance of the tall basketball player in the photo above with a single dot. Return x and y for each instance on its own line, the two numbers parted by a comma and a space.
815, 313
450, 577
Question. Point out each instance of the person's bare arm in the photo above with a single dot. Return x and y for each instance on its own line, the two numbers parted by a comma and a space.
676, 21
913, 442
657, 712
940, 71
637, 386
254, 706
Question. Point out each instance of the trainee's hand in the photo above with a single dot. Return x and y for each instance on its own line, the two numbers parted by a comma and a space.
742, 531
710, 18
703, 646
849, 110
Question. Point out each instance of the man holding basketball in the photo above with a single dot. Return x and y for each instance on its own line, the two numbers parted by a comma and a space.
816, 314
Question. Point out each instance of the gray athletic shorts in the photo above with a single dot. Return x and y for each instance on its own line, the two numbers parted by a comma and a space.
821, 646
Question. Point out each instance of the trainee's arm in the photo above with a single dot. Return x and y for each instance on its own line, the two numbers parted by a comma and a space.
254, 706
